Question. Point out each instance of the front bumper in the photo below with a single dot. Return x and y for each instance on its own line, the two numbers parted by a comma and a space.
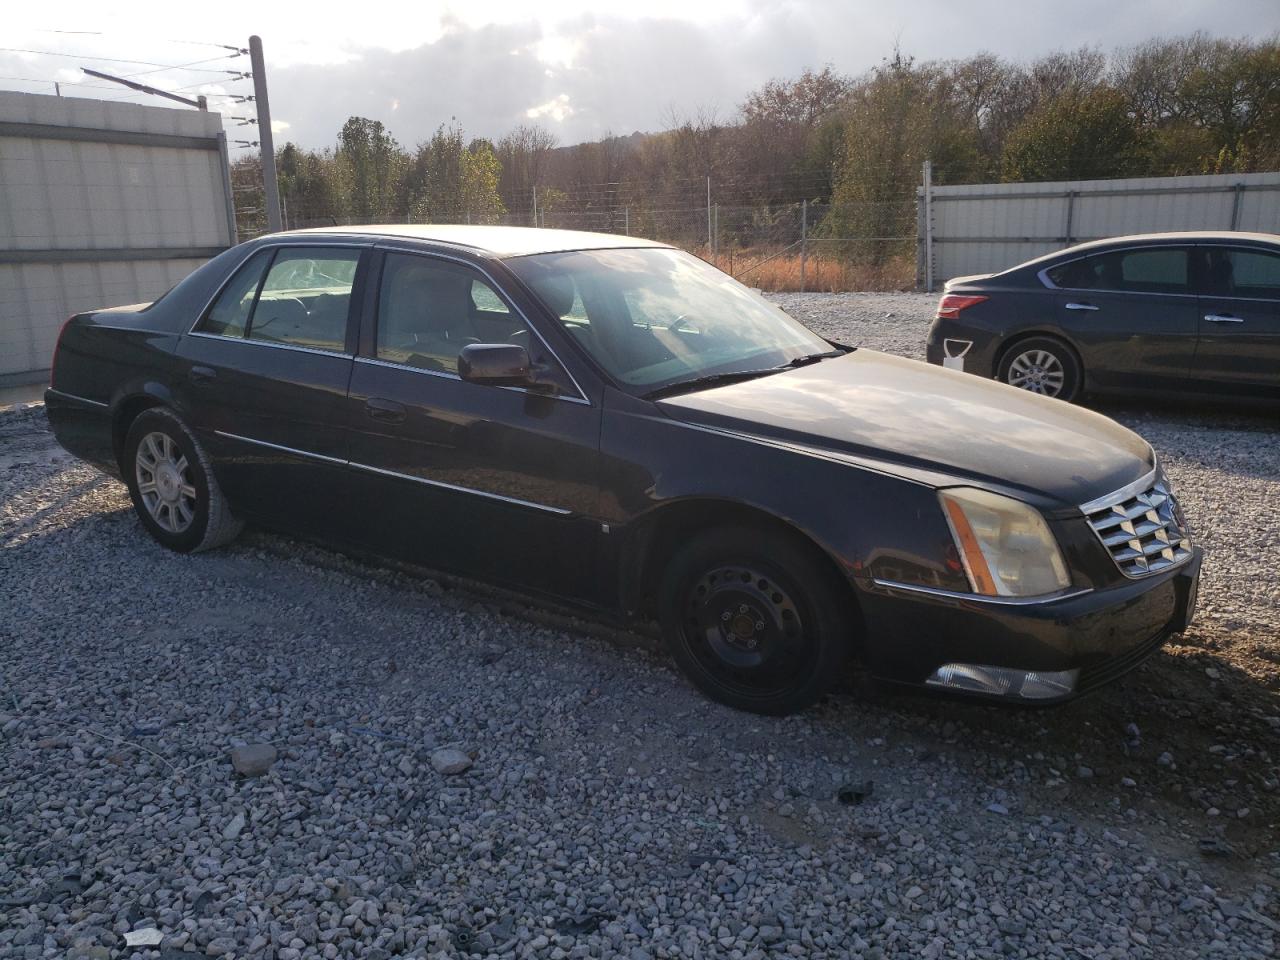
1091, 637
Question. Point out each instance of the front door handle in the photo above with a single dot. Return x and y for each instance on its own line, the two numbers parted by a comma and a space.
1222, 318
1081, 306
202, 375
388, 411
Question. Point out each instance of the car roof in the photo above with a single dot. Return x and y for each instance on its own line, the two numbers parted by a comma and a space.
1137, 239
495, 240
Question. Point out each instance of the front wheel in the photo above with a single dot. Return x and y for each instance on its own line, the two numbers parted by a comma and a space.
756, 621
1042, 365
172, 485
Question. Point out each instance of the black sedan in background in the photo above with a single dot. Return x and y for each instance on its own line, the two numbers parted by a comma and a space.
619, 425
1169, 313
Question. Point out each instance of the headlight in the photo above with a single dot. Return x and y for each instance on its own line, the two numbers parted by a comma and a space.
1006, 545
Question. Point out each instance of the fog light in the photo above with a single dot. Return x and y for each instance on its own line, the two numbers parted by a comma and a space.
1004, 681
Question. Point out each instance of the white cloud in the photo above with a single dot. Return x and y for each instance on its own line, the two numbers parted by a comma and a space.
556, 109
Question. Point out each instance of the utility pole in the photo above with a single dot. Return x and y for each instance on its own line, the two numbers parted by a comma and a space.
927, 176
270, 186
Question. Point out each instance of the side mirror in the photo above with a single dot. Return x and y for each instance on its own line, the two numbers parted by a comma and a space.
499, 365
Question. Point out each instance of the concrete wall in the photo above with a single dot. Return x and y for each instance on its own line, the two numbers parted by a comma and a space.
100, 204
984, 228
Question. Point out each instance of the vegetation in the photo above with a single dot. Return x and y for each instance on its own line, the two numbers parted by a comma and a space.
851, 147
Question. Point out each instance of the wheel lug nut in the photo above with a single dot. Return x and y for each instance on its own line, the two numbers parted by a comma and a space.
742, 608
759, 625
725, 616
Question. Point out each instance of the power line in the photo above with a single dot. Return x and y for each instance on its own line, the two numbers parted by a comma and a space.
82, 56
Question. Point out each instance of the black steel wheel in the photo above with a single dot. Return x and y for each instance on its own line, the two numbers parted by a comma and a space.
756, 621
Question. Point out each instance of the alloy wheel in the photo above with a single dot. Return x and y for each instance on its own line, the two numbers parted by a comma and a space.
165, 483
1038, 371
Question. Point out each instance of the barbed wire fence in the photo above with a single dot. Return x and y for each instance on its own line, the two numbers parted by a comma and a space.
799, 245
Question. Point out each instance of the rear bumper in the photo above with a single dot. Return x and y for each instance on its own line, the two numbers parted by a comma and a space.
1095, 636
970, 349
83, 427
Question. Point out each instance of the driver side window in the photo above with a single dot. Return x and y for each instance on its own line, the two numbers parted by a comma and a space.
429, 309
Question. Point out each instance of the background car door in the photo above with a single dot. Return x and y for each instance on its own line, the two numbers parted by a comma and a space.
1239, 352
267, 370
1132, 314
495, 482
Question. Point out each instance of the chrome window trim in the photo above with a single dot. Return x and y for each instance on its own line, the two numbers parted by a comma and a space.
502, 295
446, 375
560, 511
981, 598
275, 245
272, 343
1043, 274
80, 399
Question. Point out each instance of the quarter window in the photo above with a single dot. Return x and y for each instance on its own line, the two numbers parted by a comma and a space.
229, 315
306, 298
1155, 270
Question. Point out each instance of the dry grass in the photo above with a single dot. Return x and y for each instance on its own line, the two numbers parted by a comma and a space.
821, 274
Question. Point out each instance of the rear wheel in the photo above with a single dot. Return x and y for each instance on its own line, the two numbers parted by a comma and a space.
172, 485
756, 621
1042, 365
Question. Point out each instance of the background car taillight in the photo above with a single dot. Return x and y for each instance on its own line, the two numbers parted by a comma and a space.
951, 304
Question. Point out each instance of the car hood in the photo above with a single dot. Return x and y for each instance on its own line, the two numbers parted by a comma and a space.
942, 425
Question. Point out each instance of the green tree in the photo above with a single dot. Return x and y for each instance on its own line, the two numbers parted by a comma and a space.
371, 169
1077, 138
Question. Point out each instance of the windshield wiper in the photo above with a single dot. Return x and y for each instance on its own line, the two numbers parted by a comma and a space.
811, 358
710, 380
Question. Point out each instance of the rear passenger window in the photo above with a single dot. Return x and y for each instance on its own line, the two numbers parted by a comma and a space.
1245, 273
306, 298
1156, 270
229, 315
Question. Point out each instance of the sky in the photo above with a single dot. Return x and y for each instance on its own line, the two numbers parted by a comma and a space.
580, 69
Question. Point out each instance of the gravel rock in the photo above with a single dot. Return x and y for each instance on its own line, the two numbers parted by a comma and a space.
253, 760
450, 762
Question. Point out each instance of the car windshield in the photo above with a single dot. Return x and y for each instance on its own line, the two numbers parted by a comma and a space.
656, 318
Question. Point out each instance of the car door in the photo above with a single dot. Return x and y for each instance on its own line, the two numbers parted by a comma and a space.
1239, 352
264, 373
1132, 315
495, 482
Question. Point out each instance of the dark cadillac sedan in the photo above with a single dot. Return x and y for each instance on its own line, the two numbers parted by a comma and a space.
1169, 313
615, 423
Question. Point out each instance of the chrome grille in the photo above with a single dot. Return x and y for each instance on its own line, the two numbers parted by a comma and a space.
1145, 531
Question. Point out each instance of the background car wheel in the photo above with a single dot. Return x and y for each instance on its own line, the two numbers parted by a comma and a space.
1042, 365
172, 485
756, 621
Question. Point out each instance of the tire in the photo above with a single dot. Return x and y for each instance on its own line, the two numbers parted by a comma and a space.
172, 485
1043, 365
755, 620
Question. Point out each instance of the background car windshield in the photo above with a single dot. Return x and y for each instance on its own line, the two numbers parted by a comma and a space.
653, 317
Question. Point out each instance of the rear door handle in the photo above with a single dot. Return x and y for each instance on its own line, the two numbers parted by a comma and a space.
202, 375
1222, 318
388, 411
1081, 306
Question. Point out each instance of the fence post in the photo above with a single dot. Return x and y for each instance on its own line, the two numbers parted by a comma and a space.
1235, 207
804, 238
535, 204
708, 213
626, 220
927, 177
1071, 213
715, 235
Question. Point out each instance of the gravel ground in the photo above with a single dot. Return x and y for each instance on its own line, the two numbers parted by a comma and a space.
605, 809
